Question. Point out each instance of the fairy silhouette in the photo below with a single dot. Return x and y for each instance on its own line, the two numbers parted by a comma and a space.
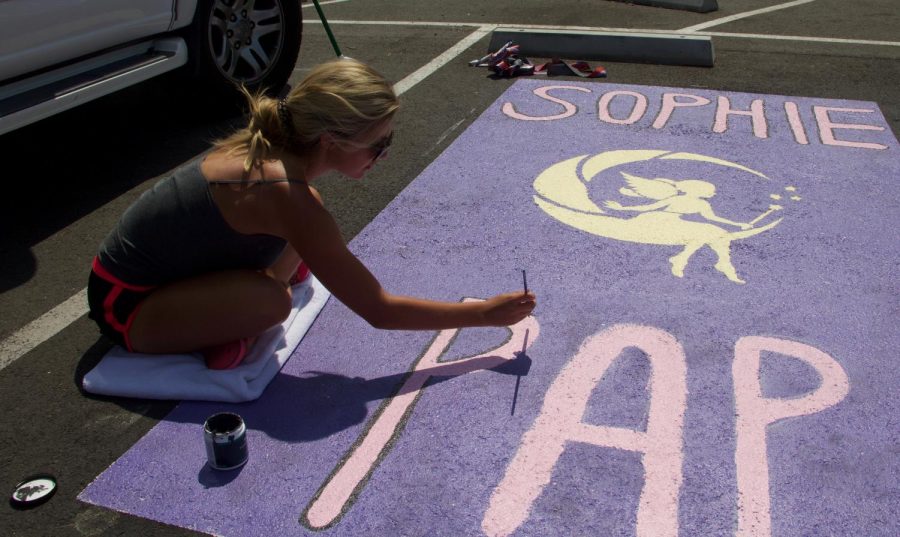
665, 218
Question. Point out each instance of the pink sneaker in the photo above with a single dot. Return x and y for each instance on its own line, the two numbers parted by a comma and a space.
227, 355
301, 275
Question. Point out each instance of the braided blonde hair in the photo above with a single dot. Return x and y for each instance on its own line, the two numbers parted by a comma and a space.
343, 97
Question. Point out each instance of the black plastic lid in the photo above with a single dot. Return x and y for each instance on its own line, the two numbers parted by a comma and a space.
33, 491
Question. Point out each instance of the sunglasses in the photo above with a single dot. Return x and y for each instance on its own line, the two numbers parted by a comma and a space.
381, 146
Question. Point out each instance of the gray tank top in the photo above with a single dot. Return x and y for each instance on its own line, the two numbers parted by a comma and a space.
175, 231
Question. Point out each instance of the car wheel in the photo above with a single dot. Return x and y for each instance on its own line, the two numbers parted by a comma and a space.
254, 43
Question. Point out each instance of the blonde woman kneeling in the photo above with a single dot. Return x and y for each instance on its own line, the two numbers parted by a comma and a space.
202, 261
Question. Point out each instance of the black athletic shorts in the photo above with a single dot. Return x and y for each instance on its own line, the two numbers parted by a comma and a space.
114, 303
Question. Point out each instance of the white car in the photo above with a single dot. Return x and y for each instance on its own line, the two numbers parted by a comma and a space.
57, 54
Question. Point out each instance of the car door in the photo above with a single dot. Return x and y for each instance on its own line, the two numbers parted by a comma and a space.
40, 33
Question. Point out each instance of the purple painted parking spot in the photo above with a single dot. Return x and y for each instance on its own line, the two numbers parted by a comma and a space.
711, 353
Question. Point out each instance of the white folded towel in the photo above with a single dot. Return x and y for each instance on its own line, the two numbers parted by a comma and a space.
185, 376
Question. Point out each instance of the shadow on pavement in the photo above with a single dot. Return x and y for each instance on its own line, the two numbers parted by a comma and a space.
299, 408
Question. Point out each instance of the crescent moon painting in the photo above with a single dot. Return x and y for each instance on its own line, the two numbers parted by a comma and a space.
561, 192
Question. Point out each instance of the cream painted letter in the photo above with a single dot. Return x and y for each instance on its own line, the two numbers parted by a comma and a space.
561, 421
755, 412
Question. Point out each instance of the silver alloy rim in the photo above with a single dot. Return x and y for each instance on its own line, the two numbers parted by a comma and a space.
246, 37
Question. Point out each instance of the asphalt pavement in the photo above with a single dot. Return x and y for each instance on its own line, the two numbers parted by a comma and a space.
68, 178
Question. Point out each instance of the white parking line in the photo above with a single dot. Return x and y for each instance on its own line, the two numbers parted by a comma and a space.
43, 328
744, 15
325, 3
806, 39
428, 24
435, 64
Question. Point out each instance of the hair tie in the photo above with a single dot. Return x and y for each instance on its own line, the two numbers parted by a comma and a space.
285, 117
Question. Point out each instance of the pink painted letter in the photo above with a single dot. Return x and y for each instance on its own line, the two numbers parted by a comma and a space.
755, 412
637, 109
561, 421
793, 115
827, 127
336, 495
756, 113
544, 93
669, 105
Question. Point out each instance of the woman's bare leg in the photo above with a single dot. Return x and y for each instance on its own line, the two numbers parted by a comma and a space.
209, 310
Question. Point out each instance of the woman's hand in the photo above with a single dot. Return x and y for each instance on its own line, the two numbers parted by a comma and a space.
508, 308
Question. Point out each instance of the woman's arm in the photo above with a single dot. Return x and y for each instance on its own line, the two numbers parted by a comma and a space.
410, 313
314, 234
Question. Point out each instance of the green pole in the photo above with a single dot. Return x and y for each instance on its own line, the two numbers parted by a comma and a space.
337, 49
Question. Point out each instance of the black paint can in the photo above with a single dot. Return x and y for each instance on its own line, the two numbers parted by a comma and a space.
226, 441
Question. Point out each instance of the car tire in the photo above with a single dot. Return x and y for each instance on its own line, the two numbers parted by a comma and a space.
231, 46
